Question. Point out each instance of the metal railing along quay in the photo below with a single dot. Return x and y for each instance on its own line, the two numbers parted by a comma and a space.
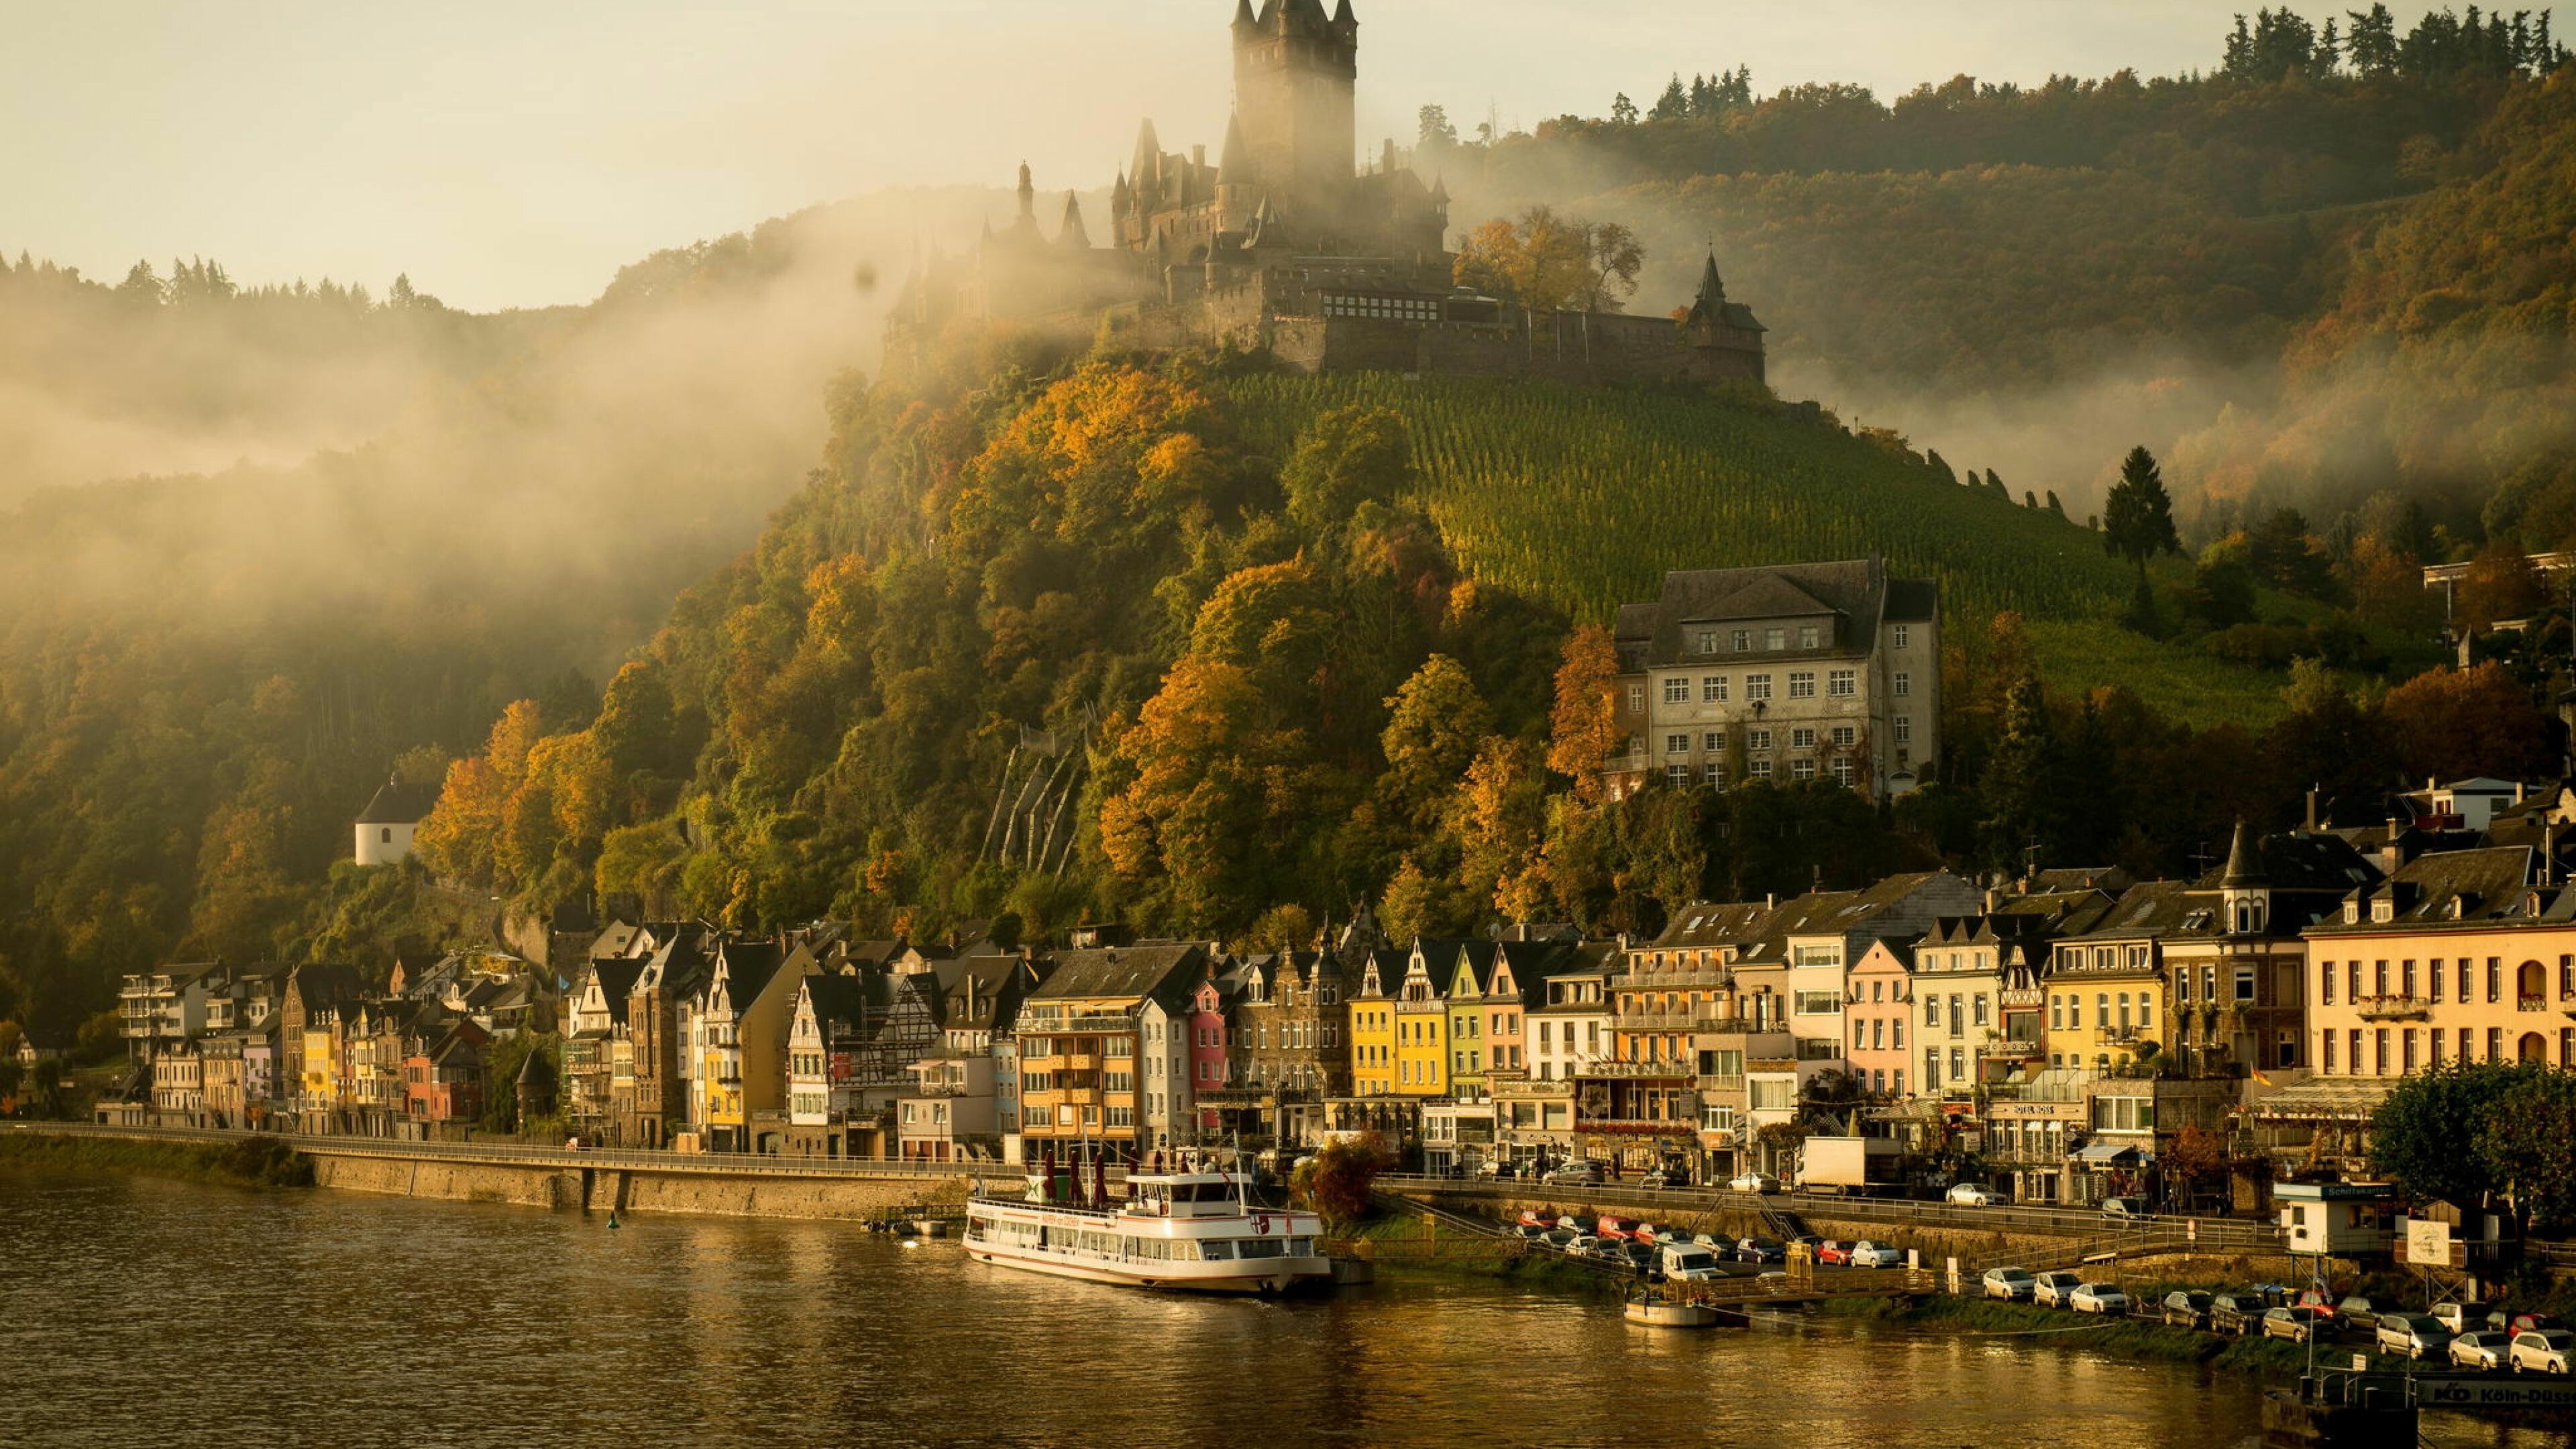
637, 1159
2229, 1234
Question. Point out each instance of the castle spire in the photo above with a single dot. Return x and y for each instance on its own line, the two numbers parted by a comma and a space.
1243, 20
1234, 165
1072, 235
2244, 859
1343, 20
1121, 197
1028, 198
1146, 172
1712, 292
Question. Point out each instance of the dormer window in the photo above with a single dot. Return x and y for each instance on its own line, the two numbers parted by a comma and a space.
2383, 910
2352, 912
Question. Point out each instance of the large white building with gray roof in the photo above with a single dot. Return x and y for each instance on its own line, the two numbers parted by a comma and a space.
1782, 673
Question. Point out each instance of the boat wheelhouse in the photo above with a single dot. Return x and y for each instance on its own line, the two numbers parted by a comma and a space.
1180, 1231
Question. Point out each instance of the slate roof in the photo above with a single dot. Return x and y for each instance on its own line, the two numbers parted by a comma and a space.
2154, 908
326, 983
397, 802
849, 1004
1124, 971
1704, 924
1855, 592
2451, 888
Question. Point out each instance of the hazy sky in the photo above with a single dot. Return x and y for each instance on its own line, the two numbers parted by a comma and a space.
518, 153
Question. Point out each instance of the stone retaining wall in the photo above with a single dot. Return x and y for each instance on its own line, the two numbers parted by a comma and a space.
639, 1190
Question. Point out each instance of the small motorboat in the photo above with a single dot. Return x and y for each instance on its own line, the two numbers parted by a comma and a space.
1654, 1311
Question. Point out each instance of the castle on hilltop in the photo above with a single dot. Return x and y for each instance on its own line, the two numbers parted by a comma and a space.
1283, 245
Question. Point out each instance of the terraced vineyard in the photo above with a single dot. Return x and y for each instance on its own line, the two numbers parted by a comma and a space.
1586, 497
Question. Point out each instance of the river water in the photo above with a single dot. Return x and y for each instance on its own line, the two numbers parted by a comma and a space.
138, 1312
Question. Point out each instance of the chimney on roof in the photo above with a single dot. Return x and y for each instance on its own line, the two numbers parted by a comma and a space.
1770, 900
2392, 852
2549, 853
2312, 810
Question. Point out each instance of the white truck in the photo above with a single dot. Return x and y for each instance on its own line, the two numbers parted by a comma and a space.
1687, 1262
1833, 1164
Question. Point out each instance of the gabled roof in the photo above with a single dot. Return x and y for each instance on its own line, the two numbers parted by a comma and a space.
1113, 972
1702, 923
325, 983
397, 802
853, 1004
1854, 589
2490, 887
2153, 908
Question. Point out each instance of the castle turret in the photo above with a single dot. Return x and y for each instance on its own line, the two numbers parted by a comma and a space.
1243, 20
1072, 235
1295, 72
1121, 198
1236, 178
1028, 201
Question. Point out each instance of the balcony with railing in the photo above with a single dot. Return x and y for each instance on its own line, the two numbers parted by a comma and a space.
1657, 978
2392, 1007
1632, 1071
1673, 1019
2528, 1002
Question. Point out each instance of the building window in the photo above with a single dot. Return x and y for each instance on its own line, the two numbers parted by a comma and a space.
1677, 744
2329, 1057
1707, 641
1712, 774
1904, 684
1904, 636
1802, 684
1844, 773
1807, 636
1842, 683
1802, 769
1677, 775
1713, 741
1758, 768
1636, 698
1757, 740
1757, 687
2325, 984
1845, 736
1712, 689
1775, 640
1741, 641
1802, 737
1676, 690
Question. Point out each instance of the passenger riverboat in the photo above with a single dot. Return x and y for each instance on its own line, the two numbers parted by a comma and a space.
1196, 1232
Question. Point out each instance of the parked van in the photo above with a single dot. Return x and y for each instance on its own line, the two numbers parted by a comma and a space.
1688, 1262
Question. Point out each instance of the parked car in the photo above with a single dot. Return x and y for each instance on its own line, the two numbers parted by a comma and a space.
1581, 1245
2297, 1324
1667, 1177
1575, 1174
1529, 1230
2008, 1283
1640, 1256
1559, 1237
1866, 1254
1970, 1194
2124, 1209
1809, 1241
1539, 1217
1688, 1262
2459, 1318
2416, 1335
2360, 1310
2239, 1313
1760, 1250
1609, 1250
2541, 1350
2521, 1322
1607, 1226
2188, 1308
2055, 1289
2481, 1348
2322, 1304
1754, 1182
1647, 1233
2104, 1298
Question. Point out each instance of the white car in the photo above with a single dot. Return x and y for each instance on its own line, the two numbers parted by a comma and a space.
2480, 1348
2541, 1350
2008, 1283
1970, 1194
1688, 1263
1581, 1244
1874, 1255
2098, 1298
2055, 1290
1754, 1182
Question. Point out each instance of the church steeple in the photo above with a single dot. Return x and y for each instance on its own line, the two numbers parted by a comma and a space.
1712, 291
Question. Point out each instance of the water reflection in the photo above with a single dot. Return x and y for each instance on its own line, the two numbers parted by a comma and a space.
142, 1313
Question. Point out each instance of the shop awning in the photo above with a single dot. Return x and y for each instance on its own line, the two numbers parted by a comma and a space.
2107, 1154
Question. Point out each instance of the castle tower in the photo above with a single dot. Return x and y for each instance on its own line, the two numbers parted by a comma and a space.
1295, 72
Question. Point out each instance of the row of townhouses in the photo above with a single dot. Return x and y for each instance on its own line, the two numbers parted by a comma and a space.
2055, 1033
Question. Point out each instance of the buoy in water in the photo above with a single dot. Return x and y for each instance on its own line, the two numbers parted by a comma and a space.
612, 1219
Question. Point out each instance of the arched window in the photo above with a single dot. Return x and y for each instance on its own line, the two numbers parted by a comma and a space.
2532, 982
388, 835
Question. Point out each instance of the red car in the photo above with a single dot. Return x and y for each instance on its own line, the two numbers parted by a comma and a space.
1834, 1251
1612, 1229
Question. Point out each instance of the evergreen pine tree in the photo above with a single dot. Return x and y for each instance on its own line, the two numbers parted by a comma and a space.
2137, 519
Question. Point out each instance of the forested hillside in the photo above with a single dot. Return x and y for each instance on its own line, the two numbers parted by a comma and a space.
2187, 261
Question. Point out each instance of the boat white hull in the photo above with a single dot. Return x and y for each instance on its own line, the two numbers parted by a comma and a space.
1265, 1275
